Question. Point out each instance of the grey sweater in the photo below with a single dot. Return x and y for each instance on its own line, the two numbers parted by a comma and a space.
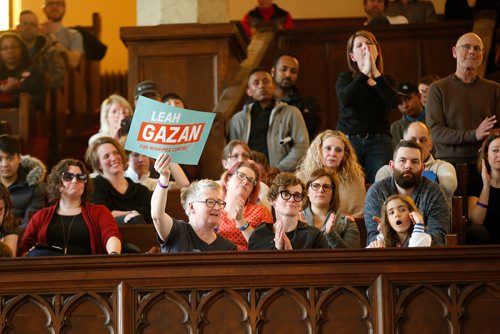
427, 195
286, 122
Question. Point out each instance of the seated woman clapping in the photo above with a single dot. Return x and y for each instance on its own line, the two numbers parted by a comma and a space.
286, 194
129, 202
8, 223
321, 210
203, 204
241, 185
71, 225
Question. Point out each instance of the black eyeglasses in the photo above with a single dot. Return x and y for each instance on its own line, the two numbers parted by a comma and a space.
212, 202
297, 197
317, 186
68, 177
242, 177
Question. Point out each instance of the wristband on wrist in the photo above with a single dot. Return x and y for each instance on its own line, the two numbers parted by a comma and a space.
244, 227
161, 185
482, 205
113, 253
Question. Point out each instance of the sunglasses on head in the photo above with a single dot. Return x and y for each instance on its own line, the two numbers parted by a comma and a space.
68, 177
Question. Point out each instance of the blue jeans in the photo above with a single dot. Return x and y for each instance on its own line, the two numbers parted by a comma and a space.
374, 151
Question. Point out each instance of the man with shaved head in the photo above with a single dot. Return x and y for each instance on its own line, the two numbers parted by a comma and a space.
463, 108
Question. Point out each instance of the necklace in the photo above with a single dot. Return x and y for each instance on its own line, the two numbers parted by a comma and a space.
66, 236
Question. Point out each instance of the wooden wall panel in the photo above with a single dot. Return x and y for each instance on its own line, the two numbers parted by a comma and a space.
441, 290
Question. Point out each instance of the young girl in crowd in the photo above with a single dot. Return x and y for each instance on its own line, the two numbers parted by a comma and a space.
402, 225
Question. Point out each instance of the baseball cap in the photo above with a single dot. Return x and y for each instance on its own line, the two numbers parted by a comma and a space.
407, 88
146, 87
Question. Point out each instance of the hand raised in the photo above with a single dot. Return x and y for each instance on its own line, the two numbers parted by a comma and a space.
484, 129
162, 165
416, 218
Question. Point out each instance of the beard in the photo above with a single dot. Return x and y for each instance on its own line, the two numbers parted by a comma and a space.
406, 180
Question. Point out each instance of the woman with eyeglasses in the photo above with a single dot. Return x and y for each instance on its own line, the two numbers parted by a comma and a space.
241, 185
71, 225
203, 204
333, 151
17, 75
288, 232
321, 211
238, 151
129, 202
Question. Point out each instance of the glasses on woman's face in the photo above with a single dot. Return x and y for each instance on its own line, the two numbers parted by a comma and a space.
210, 202
317, 186
242, 177
68, 177
297, 197
236, 156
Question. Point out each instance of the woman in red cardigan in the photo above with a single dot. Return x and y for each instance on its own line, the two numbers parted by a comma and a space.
71, 225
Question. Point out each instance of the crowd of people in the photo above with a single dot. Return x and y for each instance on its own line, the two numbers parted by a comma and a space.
286, 185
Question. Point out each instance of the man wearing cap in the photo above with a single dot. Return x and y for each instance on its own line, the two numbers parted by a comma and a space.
147, 88
410, 107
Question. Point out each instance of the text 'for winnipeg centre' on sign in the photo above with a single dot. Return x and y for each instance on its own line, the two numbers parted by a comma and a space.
160, 128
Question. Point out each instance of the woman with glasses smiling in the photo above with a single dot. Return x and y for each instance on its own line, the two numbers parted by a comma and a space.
203, 204
71, 225
241, 185
288, 232
321, 211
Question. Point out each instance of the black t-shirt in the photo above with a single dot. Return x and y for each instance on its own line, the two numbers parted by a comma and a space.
303, 237
492, 219
259, 127
71, 232
183, 238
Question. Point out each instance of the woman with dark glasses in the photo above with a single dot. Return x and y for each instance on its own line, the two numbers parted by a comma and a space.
321, 211
241, 186
288, 232
71, 225
203, 204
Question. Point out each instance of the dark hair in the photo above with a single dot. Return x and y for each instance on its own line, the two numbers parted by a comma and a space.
27, 11
386, 3
428, 79
391, 238
10, 222
408, 144
335, 200
257, 69
125, 126
283, 180
283, 54
25, 61
483, 153
10, 145
254, 195
172, 96
54, 180
259, 158
92, 157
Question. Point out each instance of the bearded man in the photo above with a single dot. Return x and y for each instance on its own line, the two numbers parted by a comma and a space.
407, 167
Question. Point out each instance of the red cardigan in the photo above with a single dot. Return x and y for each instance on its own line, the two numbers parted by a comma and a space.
98, 219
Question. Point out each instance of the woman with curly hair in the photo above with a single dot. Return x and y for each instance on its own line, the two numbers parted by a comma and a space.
8, 223
286, 194
333, 151
71, 225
